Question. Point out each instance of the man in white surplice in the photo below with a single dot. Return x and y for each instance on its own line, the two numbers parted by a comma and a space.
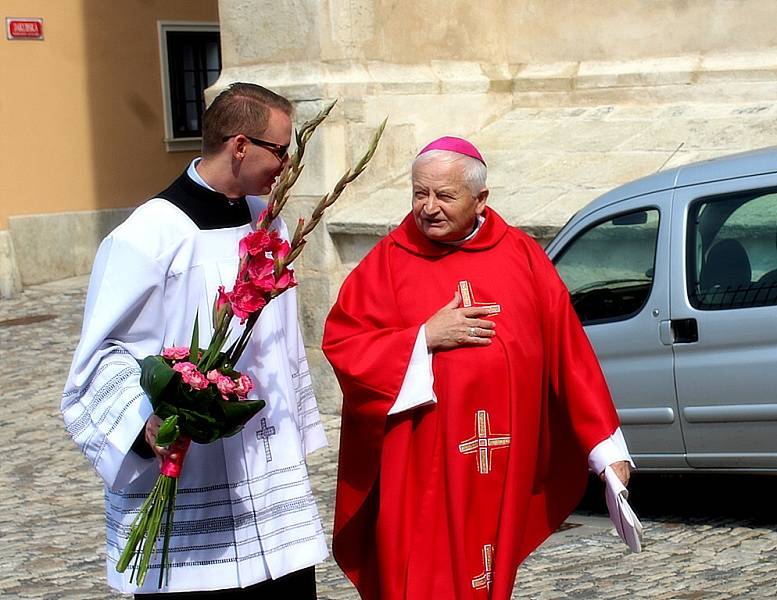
246, 521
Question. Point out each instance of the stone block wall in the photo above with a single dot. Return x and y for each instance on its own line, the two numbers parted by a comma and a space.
41, 248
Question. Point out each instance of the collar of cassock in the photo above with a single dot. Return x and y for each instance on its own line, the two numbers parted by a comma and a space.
409, 237
208, 209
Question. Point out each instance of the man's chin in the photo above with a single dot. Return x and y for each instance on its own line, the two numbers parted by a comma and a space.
261, 191
436, 233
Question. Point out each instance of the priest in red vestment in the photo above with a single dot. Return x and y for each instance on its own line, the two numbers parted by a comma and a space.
473, 404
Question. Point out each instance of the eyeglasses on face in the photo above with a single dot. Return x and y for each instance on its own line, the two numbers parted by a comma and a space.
278, 150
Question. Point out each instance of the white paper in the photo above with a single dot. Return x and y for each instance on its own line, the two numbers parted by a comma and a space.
626, 522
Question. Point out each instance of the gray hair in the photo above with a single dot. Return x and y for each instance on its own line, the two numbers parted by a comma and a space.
473, 171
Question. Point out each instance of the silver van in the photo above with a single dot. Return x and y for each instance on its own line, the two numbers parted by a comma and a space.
674, 277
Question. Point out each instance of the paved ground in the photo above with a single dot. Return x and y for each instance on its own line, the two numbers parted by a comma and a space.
705, 538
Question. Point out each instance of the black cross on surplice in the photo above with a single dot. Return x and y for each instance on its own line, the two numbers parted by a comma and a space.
264, 434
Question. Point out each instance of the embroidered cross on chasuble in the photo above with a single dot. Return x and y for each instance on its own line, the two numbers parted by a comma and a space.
483, 443
468, 299
484, 580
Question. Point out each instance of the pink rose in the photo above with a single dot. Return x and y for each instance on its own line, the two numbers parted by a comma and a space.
213, 375
246, 299
191, 376
255, 243
226, 386
184, 366
243, 386
195, 379
175, 352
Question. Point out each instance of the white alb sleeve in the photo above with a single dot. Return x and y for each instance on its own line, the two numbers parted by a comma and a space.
417, 387
610, 450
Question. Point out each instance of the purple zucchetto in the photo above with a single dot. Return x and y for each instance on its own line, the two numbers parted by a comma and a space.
454, 144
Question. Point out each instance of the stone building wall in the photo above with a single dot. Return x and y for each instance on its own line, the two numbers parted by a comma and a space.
457, 67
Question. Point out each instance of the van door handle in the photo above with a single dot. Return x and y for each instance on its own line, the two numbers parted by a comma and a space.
685, 331
665, 333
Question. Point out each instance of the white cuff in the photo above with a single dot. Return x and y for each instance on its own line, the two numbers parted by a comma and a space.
610, 450
416, 388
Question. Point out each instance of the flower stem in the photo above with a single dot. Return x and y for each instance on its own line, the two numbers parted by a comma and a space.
147, 525
165, 562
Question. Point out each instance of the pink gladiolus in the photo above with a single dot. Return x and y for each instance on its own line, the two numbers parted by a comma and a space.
285, 281
282, 250
175, 352
246, 299
261, 273
255, 243
223, 298
243, 386
226, 386
275, 241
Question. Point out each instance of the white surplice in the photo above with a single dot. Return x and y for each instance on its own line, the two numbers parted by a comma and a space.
245, 511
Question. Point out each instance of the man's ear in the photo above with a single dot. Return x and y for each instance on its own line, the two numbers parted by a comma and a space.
239, 143
480, 200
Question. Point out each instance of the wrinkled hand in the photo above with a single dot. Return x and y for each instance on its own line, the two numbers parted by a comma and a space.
152, 430
622, 470
453, 326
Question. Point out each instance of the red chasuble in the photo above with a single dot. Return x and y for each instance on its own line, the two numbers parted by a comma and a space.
446, 500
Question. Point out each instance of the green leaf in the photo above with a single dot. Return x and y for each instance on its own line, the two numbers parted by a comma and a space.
237, 414
194, 347
155, 376
168, 431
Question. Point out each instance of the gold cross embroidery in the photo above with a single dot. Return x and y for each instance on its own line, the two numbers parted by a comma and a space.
483, 443
484, 580
468, 299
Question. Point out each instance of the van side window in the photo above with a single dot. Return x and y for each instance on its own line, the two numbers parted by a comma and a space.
609, 267
733, 251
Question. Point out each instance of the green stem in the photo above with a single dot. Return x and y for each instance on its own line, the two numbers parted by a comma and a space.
164, 563
137, 529
168, 531
243, 341
152, 532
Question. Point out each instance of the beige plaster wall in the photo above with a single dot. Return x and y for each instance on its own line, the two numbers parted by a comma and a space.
495, 31
81, 112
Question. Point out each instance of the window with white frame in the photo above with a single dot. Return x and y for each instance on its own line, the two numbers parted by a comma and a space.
191, 62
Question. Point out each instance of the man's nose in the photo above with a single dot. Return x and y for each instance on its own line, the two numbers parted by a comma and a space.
430, 205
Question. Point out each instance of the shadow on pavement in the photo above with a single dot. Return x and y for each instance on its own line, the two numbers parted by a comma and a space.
743, 500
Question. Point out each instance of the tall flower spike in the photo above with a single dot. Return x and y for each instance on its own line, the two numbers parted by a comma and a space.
303, 230
293, 168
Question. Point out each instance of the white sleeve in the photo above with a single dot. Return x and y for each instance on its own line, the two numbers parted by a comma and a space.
610, 450
417, 387
103, 405
305, 408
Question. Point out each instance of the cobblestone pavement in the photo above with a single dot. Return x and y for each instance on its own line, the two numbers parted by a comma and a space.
701, 539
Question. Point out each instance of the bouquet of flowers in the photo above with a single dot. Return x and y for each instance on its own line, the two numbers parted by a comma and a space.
197, 392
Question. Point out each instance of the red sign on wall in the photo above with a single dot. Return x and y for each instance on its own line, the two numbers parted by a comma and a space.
23, 29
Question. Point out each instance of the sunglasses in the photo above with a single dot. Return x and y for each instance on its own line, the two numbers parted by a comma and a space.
280, 152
